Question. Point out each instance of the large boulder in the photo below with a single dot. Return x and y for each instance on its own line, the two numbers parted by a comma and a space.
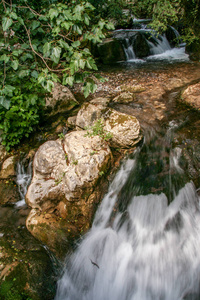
125, 129
111, 51
191, 95
90, 112
60, 100
61, 193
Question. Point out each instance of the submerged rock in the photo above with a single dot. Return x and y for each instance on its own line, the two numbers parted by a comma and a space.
191, 95
124, 97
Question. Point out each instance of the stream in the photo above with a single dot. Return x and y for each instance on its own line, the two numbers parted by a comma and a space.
145, 239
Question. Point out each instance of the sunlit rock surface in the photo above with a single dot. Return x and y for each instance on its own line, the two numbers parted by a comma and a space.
61, 192
125, 129
91, 112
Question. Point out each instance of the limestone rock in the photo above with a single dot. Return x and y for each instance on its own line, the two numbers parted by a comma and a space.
61, 100
65, 174
91, 112
71, 122
192, 95
8, 168
124, 97
125, 129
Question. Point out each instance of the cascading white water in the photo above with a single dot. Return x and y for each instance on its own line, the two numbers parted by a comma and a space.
129, 52
147, 251
24, 176
161, 45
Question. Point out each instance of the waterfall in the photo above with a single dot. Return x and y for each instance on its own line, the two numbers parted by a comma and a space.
144, 242
142, 44
128, 49
24, 176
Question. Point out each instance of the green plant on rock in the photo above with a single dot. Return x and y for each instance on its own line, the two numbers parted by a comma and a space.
42, 43
98, 129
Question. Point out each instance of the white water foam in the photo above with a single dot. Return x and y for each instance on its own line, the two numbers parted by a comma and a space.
23, 180
175, 54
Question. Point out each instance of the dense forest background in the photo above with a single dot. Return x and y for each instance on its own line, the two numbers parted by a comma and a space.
42, 42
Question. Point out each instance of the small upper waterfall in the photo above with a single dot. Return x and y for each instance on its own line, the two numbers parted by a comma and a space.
142, 43
145, 239
24, 175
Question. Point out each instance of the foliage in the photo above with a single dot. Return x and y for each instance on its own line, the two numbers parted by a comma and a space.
42, 44
98, 129
109, 9
184, 14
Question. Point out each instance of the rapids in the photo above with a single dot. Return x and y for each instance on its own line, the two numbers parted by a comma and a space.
145, 239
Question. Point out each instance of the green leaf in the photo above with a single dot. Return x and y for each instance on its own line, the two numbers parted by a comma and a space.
82, 63
4, 102
77, 29
15, 64
17, 52
69, 80
63, 44
8, 90
49, 85
86, 19
53, 13
23, 73
6, 23
76, 44
13, 15
46, 49
55, 56
35, 24
4, 58
20, 20
34, 74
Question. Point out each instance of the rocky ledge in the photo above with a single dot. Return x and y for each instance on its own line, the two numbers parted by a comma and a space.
68, 173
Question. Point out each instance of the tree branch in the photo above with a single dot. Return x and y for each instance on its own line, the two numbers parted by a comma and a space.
42, 58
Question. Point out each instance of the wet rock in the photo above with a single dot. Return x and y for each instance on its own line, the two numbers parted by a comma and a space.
27, 274
91, 112
8, 168
111, 51
125, 129
61, 100
125, 97
140, 46
65, 175
8, 192
191, 95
